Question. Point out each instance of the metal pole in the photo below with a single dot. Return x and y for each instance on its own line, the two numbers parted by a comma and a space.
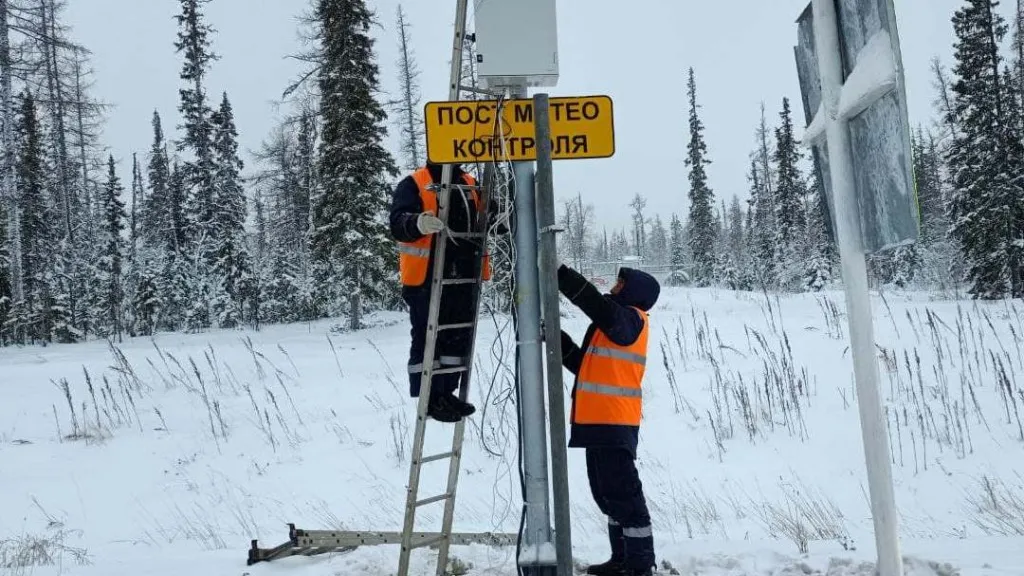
552, 331
537, 535
858, 300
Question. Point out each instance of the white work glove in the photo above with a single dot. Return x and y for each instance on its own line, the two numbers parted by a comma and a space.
428, 224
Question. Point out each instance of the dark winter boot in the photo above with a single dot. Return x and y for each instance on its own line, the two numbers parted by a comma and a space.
442, 409
461, 408
617, 565
612, 567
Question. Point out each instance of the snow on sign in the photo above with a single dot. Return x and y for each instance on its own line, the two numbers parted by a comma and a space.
473, 131
874, 106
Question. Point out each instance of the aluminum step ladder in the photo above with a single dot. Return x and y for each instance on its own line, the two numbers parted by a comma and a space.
478, 236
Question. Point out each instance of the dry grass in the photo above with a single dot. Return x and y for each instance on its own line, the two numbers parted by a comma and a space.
21, 554
997, 508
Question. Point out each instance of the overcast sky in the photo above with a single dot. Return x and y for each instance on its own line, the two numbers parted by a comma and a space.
741, 50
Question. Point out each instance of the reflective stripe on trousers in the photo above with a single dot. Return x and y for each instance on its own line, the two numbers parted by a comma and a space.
610, 390
644, 532
443, 361
417, 368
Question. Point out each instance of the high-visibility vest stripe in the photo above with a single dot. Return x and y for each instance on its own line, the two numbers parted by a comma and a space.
618, 354
610, 390
414, 251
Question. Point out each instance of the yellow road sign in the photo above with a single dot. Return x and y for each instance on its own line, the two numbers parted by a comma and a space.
472, 131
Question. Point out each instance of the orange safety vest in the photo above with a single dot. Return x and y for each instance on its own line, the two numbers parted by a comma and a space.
608, 386
414, 257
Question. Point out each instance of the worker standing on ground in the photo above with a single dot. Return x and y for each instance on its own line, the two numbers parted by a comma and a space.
415, 225
606, 408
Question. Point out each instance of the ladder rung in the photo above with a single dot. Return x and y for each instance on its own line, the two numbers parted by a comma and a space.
432, 499
436, 187
428, 541
436, 457
457, 281
475, 90
451, 370
461, 326
458, 235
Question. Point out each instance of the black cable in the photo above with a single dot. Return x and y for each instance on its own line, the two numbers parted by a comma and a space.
519, 411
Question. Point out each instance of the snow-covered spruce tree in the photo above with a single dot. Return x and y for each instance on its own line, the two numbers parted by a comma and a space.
658, 249
282, 212
350, 236
111, 262
677, 257
639, 204
737, 232
135, 215
601, 248
984, 158
34, 314
1013, 141
146, 301
6, 292
233, 265
761, 233
928, 181
702, 236
1018, 58
789, 203
409, 119
198, 172
8, 163
619, 245
822, 259
174, 286
158, 230
259, 247
135, 252
194, 44
577, 230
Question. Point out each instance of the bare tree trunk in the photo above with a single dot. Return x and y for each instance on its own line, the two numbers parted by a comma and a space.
765, 157
54, 89
10, 192
411, 99
136, 198
355, 302
80, 120
945, 101
1019, 44
50, 42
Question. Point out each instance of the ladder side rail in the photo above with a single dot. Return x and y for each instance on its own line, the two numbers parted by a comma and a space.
440, 245
481, 225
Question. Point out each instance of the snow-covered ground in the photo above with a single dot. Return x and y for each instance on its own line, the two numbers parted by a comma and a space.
168, 455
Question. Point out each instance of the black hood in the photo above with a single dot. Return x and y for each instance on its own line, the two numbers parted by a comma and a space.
640, 289
435, 172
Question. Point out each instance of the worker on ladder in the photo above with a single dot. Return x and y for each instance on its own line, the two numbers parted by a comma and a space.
606, 408
414, 225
